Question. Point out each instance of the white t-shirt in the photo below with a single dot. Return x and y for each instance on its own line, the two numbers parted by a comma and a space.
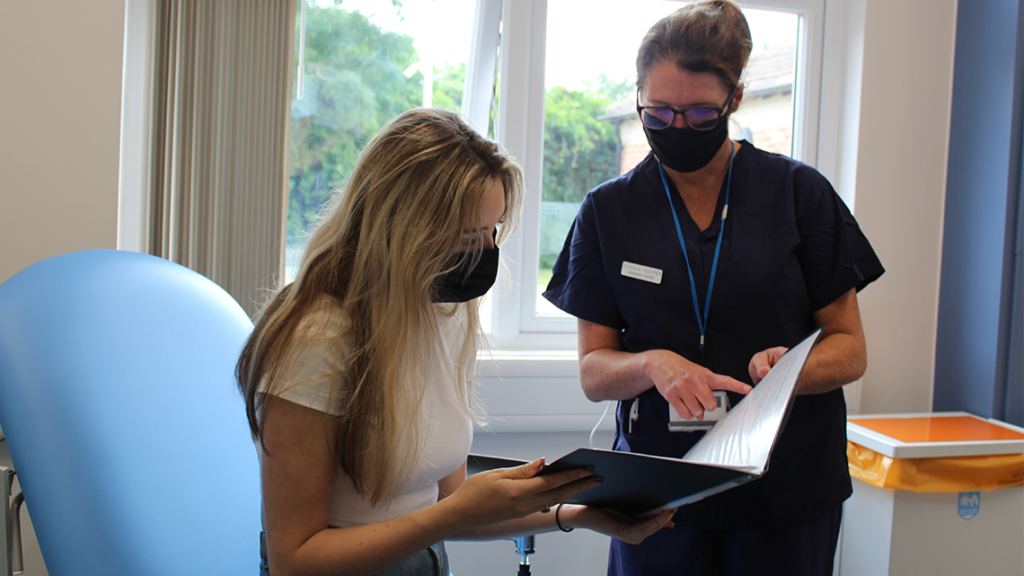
448, 433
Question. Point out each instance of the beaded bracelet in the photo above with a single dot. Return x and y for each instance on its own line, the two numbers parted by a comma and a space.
559, 522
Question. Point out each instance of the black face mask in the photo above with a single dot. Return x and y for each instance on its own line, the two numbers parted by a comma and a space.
469, 279
685, 149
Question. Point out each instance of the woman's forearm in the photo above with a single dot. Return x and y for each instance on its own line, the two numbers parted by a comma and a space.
537, 523
571, 516
366, 549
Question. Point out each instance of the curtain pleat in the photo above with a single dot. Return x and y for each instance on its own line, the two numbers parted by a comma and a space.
221, 107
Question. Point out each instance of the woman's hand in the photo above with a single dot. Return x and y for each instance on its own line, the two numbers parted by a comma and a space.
763, 361
629, 530
687, 386
509, 493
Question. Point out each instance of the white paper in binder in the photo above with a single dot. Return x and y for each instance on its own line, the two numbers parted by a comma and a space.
743, 440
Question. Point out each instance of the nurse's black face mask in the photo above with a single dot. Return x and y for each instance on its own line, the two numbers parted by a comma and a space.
685, 149
470, 278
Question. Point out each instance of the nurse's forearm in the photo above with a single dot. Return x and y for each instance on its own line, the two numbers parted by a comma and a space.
607, 374
841, 356
836, 361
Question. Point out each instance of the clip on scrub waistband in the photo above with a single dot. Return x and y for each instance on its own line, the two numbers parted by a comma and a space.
677, 423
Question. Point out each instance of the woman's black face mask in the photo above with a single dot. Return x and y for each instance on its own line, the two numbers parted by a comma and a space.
470, 278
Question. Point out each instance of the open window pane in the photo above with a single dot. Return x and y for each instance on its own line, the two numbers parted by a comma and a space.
591, 130
365, 61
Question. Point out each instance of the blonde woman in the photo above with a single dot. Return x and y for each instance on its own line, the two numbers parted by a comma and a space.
358, 375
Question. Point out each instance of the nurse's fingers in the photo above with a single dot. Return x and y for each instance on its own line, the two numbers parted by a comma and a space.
676, 402
693, 405
693, 409
763, 361
721, 382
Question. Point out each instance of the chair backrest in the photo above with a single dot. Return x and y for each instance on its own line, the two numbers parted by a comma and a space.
125, 427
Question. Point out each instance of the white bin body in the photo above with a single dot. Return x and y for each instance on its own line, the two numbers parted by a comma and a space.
903, 533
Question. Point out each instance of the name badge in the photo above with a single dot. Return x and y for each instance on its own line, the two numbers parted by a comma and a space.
645, 273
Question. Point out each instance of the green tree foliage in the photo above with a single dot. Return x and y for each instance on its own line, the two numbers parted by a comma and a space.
580, 152
354, 82
449, 82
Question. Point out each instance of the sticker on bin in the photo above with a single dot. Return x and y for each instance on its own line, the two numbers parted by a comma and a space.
968, 504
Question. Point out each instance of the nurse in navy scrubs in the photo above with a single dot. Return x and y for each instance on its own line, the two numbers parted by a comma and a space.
695, 272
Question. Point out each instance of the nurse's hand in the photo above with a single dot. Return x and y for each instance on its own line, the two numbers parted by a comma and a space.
763, 361
687, 386
629, 530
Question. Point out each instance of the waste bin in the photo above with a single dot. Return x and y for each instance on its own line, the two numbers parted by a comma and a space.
935, 494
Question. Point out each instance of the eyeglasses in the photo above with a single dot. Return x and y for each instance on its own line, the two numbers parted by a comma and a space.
661, 117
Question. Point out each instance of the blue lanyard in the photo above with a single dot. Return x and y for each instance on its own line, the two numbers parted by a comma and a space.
701, 320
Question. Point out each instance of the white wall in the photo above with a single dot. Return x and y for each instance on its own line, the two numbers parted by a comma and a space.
906, 93
60, 124
60, 127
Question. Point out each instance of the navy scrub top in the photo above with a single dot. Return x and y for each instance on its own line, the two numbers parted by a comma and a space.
790, 248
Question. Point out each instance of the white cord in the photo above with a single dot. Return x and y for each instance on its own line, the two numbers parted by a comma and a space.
607, 404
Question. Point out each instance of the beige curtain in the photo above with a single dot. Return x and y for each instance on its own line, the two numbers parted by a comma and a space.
221, 107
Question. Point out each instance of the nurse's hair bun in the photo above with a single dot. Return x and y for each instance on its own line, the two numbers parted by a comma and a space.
711, 35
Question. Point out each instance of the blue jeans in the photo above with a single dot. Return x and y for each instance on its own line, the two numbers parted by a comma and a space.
431, 561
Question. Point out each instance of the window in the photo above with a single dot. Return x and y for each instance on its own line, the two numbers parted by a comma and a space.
571, 121
364, 62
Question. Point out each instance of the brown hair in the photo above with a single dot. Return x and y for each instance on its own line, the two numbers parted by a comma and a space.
710, 35
372, 262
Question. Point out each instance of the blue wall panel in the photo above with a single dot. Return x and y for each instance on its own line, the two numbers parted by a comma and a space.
977, 287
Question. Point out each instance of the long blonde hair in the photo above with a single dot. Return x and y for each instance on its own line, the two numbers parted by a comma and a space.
376, 253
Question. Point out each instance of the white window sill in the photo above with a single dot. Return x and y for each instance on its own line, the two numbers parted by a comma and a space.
536, 391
